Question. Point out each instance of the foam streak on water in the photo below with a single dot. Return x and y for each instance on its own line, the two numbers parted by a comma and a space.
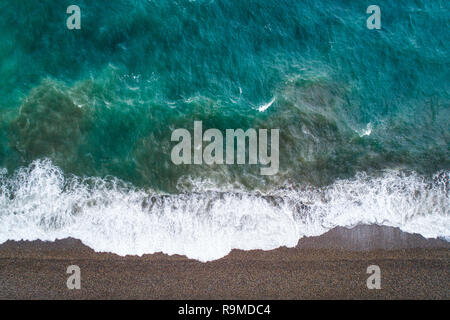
40, 202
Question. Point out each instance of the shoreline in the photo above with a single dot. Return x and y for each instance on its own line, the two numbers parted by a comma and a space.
330, 266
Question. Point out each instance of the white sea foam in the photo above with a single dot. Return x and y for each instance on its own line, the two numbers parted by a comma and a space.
263, 107
39, 202
367, 131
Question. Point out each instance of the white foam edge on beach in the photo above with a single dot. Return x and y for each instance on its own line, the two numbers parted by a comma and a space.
40, 202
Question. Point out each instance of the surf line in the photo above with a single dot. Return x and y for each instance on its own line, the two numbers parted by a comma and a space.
213, 153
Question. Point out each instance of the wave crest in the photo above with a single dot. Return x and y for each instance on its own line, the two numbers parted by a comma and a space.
41, 202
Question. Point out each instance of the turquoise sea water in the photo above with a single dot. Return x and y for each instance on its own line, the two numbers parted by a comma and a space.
86, 118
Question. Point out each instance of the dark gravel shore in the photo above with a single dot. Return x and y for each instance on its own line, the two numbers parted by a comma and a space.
332, 266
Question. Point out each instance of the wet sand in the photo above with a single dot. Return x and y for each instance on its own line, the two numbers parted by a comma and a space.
332, 266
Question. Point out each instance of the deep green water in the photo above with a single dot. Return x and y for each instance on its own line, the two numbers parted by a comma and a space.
104, 100
101, 102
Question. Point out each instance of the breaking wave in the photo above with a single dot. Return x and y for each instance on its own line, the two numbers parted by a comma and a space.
109, 215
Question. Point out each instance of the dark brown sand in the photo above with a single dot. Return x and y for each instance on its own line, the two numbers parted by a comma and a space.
332, 266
